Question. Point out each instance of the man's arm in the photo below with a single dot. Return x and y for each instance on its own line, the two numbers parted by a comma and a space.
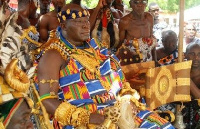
122, 32
195, 91
43, 28
94, 14
48, 70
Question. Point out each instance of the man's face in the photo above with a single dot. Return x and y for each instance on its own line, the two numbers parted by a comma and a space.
78, 29
21, 118
170, 43
44, 4
194, 55
154, 10
138, 6
190, 32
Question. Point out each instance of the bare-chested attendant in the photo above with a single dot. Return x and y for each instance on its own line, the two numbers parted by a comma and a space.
27, 13
193, 53
49, 21
135, 32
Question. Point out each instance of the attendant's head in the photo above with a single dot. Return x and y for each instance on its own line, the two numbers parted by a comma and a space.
190, 32
138, 6
27, 7
16, 114
78, 2
169, 40
193, 53
44, 6
58, 4
118, 4
74, 22
154, 10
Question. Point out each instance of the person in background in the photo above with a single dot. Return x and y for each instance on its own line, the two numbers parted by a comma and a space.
49, 21
154, 10
168, 53
27, 13
159, 22
190, 36
136, 35
119, 6
191, 112
44, 6
193, 53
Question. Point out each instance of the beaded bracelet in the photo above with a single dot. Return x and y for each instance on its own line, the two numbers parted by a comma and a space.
48, 96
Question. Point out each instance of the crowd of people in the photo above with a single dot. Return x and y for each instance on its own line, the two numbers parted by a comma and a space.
65, 64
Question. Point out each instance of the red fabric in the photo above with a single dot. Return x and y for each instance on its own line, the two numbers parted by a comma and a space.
104, 20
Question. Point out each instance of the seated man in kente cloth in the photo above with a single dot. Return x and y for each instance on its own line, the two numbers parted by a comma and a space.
135, 34
80, 84
168, 53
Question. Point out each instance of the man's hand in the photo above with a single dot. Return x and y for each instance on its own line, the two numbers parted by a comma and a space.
96, 118
100, 4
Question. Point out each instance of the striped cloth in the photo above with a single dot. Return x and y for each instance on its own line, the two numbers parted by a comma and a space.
149, 120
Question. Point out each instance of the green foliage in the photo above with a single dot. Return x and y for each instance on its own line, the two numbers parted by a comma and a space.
167, 5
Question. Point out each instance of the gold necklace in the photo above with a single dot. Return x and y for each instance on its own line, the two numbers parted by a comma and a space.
88, 58
90, 62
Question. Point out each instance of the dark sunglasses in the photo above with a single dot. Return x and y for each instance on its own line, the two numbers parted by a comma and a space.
140, 2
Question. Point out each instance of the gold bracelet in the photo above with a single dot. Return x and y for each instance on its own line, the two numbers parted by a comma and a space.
80, 117
48, 81
64, 112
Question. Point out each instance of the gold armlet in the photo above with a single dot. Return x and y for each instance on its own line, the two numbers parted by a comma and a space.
50, 81
64, 112
80, 117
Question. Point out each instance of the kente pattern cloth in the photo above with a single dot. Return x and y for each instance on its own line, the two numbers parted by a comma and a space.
78, 83
81, 88
170, 59
149, 120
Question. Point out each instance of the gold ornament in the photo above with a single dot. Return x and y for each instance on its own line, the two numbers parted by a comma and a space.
48, 81
15, 77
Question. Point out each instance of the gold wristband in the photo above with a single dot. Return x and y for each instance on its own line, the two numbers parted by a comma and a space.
80, 117
64, 112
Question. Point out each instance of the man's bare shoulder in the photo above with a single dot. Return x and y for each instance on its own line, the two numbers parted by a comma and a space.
148, 15
50, 56
125, 19
48, 15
